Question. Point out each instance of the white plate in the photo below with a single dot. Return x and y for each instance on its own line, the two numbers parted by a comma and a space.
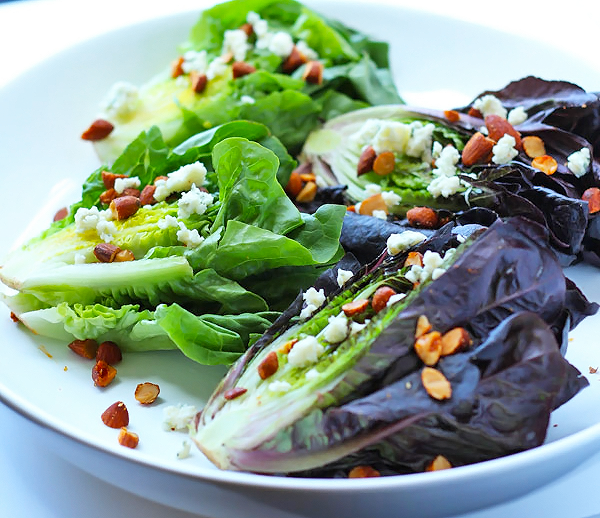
44, 162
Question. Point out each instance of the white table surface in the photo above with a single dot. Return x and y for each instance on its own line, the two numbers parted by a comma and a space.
38, 483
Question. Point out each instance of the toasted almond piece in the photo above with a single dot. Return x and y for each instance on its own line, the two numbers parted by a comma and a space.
474, 112
375, 202
61, 214
130, 191
429, 347
124, 207
247, 28
440, 462
356, 307
106, 252
423, 326
455, 340
147, 195
592, 196
234, 393
423, 217
199, 82
14, 317
351, 208
103, 374
162, 178
308, 177
478, 150
545, 163
414, 258
452, 115
146, 393
308, 193
241, 68
116, 415
268, 366
85, 348
366, 161
127, 438
384, 163
533, 146
313, 72
294, 185
98, 130
381, 297
109, 352
294, 61
363, 472
108, 178
287, 347
177, 67
436, 384
109, 195
498, 127
124, 256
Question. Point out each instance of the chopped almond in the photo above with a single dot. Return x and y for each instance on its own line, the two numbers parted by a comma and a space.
241, 68
128, 439
234, 393
592, 196
98, 130
455, 340
423, 326
61, 214
423, 217
84, 348
498, 127
366, 161
414, 258
545, 163
109, 352
533, 146
103, 374
372, 203
440, 462
287, 347
381, 297
363, 472
436, 384
308, 193
268, 366
116, 415
477, 150
385, 163
356, 307
177, 67
452, 115
146, 393
429, 347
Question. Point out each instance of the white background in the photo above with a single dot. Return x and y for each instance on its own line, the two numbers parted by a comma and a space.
36, 482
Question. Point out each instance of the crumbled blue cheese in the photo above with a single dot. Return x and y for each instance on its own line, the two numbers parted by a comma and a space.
366, 133
357, 327
517, 116
168, 221
98, 220
432, 262
395, 298
189, 237
392, 136
180, 180
80, 258
445, 164
246, 99
504, 150
314, 297
178, 417
184, 452
194, 61
444, 186
436, 150
336, 330
396, 243
130, 182
304, 49
217, 67
259, 26
371, 189
305, 352
281, 44
312, 374
279, 386
343, 276
121, 101
236, 42
380, 214
307, 311
106, 230
193, 201
490, 105
420, 141
390, 198
579, 162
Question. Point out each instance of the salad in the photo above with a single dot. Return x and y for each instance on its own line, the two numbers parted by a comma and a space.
371, 276
275, 62
524, 150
